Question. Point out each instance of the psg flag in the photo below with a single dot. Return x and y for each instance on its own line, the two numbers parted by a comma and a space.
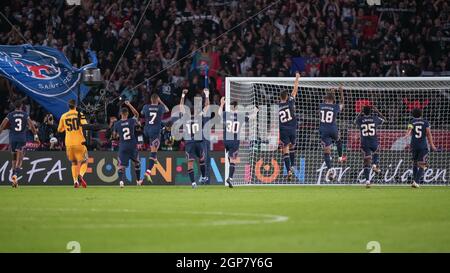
309, 65
44, 74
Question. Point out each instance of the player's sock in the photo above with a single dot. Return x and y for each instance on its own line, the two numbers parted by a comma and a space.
375, 159
137, 170
419, 174
231, 172
152, 160
121, 174
414, 169
367, 173
327, 158
83, 168
287, 161
191, 175
202, 168
339, 147
292, 157
74, 173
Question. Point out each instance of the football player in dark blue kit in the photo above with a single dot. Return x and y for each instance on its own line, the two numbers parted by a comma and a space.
124, 129
18, 121
420, 132
193, 136
368, 124
328, 129
288, 126
153, 113
233, 122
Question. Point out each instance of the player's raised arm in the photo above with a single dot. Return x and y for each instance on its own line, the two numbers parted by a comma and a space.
183, 95
133, 110
342, 99
206, 92
357, 119
3, 125
253, 114
222, 104
430, 139
383, 118
166, 109
296, 83
33, 129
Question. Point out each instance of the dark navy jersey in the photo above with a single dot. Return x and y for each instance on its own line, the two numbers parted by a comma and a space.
419, 133
125, 129
233, 123
286, 112
193, 129
368, 127
153, 115
18, 121
328, 114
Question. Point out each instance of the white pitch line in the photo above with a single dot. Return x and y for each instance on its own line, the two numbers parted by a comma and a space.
272, 218
261, 219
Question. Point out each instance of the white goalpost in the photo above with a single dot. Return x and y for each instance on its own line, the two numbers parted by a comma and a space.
260, 159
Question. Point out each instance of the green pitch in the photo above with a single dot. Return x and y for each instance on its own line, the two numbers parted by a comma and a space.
218, 219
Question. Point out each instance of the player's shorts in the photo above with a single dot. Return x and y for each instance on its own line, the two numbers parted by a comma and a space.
77, 153
369, 149
327, 137
287, 136
126, 154
419, 155
153, 137
17, 146
194, 150
232, 148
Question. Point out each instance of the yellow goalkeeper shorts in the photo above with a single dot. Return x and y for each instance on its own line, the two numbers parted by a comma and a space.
77, 153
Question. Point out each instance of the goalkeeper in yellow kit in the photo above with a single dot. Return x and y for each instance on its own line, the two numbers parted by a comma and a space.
72, 123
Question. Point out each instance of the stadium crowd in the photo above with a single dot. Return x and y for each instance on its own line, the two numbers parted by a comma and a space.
169, 47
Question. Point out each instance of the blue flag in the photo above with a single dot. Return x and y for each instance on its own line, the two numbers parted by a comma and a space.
44, 74
305, 64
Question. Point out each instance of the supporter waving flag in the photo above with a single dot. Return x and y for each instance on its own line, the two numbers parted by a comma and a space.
44, 74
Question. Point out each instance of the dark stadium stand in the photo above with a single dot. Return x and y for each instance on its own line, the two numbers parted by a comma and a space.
339, 38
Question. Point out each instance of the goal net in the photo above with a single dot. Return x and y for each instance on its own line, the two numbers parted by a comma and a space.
260, 156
